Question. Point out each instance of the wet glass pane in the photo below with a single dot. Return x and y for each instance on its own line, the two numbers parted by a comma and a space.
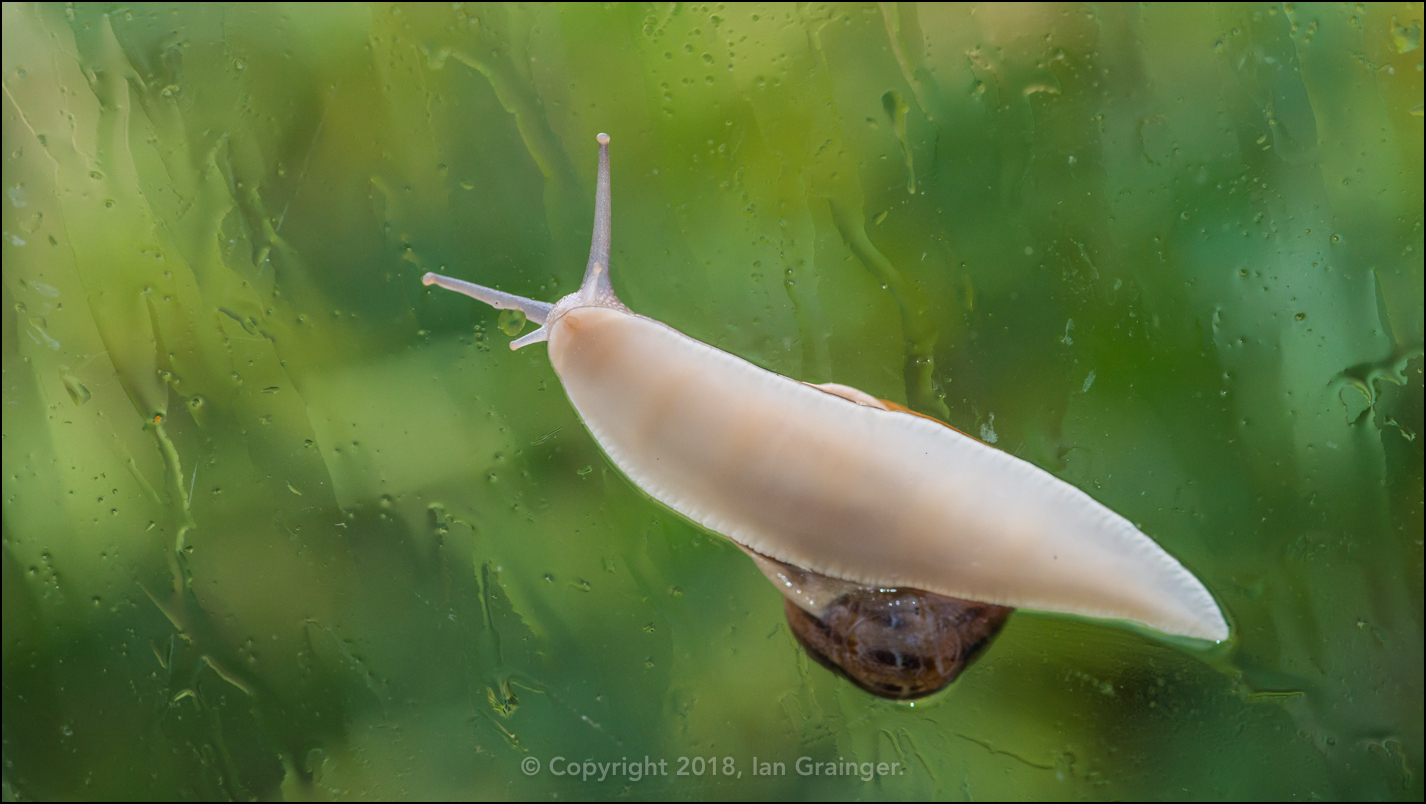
281, 521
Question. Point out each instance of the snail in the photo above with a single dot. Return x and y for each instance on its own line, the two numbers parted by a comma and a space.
900, 544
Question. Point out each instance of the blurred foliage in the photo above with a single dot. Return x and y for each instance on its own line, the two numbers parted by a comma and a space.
279, 521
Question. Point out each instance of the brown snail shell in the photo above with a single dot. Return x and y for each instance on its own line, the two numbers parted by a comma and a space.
896, 643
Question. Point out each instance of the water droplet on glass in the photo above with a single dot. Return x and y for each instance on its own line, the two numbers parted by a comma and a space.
77, 392
1405, 38
511, 322
987, 431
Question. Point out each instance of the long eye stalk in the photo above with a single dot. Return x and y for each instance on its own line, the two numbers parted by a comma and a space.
594, 289
536, 311
596, 273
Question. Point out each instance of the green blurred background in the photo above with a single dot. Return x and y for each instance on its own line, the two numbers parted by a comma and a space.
280, 521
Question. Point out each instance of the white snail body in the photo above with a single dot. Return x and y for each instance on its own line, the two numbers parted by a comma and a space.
833, 482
